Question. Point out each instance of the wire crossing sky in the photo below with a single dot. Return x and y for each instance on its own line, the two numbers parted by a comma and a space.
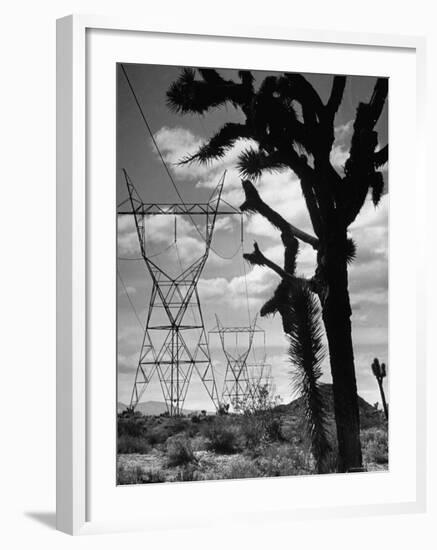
149, 147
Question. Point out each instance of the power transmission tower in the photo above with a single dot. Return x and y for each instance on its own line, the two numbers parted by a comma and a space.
172, 345
260, 379
237, 385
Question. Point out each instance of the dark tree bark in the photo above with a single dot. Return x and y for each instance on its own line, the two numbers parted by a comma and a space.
384, 401
380, 372
337, 320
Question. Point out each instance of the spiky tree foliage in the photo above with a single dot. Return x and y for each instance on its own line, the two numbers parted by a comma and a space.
289, 127
307, 352
380, 372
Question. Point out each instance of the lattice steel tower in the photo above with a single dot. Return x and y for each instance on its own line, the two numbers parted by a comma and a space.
260, 378
173, 345
238, 381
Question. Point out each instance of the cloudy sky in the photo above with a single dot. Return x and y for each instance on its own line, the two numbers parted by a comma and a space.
222, 286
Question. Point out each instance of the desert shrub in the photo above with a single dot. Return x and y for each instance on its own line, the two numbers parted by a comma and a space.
374, 442
131, 424
157, 435
223, 409
278, 450
153, 476
272, 426
242, 468
187, 473
259, 428
136, 475
277, 467
259, 421
179, 451
222, 439
127, 444
285, 460
252, 430
160, 429
177, 424
129, 476
199, 443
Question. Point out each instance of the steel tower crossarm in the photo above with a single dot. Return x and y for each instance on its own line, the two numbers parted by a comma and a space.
183, 348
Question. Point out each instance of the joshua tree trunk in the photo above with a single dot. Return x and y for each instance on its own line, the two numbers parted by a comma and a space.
380, 372
337, 321
384, 402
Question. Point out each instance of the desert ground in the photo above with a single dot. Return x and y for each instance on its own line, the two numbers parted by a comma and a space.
198, 446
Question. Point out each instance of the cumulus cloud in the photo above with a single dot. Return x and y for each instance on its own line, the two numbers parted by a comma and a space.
369, 272
175, 144
127, 364
223, 223
127, 238
341, 146
260, 283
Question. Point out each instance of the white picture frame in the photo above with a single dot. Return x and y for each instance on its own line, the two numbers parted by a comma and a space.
74, 396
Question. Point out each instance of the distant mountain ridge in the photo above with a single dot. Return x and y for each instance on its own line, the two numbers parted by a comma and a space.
369, 415
151, 408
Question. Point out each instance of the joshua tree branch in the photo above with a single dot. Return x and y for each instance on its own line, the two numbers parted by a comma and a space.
257, 258
189, 94
254, 203
381, 157
298, 163
252, 162
305, 94
219, 144
361, 166
336, 96
377, 100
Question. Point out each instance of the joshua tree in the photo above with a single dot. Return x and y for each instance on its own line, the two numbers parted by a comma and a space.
307, 353
293, 129
380, 372
300, 314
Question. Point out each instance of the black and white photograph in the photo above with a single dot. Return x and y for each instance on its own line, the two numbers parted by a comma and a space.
252, 274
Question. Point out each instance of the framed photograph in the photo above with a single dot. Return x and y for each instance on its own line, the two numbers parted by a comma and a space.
238, 327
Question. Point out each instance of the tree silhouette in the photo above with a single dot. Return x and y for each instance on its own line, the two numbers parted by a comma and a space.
380, 372
294, 130
301, 322
307, 353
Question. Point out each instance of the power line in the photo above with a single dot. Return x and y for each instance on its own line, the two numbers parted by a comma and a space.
143, 116
151, 255
247, 292
130, 301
